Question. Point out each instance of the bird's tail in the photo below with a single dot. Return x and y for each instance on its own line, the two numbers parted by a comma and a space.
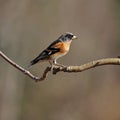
33, 62
29, 66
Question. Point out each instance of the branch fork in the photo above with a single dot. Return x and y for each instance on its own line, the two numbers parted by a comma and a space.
56, 69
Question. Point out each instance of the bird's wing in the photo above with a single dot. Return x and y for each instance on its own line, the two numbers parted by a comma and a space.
53, 48
45, 55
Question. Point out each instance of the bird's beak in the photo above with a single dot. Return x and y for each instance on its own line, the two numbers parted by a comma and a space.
74, 37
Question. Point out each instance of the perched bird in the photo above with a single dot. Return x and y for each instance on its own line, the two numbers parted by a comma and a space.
56, 49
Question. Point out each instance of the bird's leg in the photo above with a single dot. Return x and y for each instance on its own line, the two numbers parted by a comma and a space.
54, 62
52, 65
57, 64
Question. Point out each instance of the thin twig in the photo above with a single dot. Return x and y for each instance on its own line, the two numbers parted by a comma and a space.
106, 61
26, 72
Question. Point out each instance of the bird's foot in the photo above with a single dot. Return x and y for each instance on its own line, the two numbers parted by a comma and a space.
59, 65
53, 65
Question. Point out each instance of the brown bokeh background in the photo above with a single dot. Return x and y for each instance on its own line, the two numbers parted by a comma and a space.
27, 27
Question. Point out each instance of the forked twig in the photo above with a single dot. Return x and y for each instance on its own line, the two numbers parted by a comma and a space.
106, 61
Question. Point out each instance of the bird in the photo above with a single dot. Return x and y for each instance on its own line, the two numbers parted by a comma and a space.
55, 50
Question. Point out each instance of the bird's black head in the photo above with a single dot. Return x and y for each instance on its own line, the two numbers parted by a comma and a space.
68, 36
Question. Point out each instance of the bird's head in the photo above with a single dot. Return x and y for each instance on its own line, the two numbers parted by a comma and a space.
68, 36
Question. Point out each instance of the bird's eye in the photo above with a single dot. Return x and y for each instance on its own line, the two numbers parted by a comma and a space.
69, 36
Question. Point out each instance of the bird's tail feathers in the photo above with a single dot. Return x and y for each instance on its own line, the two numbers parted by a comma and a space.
29, 66
32, 63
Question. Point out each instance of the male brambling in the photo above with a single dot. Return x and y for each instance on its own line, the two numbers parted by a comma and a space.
56, 49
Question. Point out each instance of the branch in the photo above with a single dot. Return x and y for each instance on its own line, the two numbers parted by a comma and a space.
107, 61
96, 63
26, 72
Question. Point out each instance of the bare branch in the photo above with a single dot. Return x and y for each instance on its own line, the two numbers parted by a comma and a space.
106, 61
26, 72
96, 63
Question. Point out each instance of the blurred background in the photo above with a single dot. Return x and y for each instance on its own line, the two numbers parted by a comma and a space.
27, 27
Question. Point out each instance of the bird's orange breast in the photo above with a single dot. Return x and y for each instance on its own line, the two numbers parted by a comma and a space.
64, 46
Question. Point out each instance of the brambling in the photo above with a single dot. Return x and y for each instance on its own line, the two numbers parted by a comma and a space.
55, 50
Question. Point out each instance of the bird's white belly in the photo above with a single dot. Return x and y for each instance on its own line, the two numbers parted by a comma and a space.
58, 55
